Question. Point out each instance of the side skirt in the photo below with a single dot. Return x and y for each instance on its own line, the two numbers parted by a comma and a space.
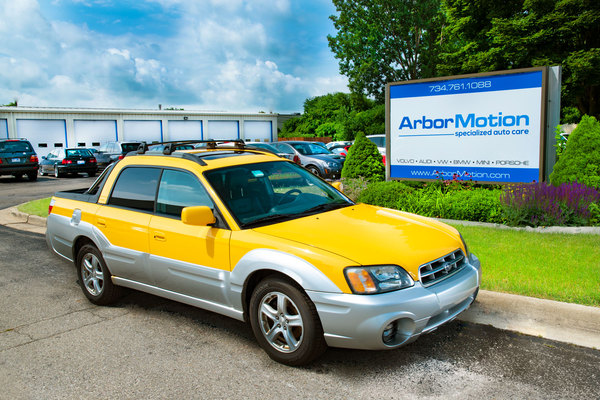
182, 298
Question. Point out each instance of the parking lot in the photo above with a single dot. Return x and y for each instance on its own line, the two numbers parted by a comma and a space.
55, 344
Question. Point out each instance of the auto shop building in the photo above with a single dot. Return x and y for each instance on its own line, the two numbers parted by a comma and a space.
50, 128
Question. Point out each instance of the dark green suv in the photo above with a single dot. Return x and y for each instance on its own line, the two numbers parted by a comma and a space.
18, 158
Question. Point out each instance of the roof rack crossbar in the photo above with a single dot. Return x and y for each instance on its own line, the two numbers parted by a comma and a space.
171, 146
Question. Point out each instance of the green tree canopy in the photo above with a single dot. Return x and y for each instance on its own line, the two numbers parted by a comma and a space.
486, 35
380, 41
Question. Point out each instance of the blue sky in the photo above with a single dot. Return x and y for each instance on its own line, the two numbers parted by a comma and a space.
225, 55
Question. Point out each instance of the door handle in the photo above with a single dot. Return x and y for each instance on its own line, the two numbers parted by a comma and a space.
160, 236
101, 222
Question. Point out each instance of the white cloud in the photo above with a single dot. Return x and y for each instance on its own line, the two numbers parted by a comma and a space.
227, 55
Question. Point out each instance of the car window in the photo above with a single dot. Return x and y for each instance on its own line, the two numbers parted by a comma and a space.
136, 188
15, 147
307, 149
379, 141
79, 152
180, 189
127, 147
284, 148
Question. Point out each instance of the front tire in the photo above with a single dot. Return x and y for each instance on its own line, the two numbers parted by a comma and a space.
314, 170
95, 278
285, 323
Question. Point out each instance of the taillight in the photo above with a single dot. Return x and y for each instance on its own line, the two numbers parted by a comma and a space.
296, 159
33, 159
121, 157
0, 161
65, 161
383, 159
50, 206
92, 160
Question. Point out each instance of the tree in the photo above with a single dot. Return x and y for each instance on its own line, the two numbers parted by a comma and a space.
380, 41
580, 161
364, 160
339, 115
485, 35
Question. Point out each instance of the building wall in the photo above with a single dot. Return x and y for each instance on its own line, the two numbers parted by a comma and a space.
48, 128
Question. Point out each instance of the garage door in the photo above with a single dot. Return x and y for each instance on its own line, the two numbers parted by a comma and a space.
260, 131
148, 131
94, 133
223, 130
44, 134
3, 128
185, 130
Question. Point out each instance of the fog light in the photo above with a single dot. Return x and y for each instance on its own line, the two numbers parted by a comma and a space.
389, 332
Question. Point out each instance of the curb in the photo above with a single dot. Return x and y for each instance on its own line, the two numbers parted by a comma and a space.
29, 219
590, 230
554, 320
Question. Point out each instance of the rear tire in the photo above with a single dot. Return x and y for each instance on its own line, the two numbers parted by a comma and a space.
95, 278
285, 323
32, 176
57, 172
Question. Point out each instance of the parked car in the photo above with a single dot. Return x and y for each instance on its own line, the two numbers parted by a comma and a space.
161, 147
341, 148
273, 149
260, 239
113, 151
60, 162
18, 158
342, 143
314, 157
379, 141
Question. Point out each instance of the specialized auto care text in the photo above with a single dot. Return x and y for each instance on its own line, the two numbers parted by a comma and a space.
510, 124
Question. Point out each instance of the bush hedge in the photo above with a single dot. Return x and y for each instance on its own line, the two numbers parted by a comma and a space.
580, 160
363, 160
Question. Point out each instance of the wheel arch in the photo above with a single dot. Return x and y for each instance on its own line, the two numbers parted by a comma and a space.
79, 242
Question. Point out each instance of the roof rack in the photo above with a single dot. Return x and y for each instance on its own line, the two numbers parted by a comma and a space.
171, 146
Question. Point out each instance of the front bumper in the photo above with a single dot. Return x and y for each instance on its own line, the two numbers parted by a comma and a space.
358, 321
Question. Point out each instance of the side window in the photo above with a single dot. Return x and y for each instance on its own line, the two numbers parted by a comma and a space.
180, 189
136, 188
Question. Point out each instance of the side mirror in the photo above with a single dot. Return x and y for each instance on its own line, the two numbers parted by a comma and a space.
43, 157
198, 216
337, 185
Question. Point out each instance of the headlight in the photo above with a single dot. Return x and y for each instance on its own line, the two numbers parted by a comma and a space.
333, 165
377, 279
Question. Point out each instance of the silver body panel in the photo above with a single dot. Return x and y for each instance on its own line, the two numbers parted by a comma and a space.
352, 321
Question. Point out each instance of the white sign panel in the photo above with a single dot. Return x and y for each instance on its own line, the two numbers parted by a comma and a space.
484, 128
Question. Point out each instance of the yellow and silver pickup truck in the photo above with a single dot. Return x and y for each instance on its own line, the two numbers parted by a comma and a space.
247, 234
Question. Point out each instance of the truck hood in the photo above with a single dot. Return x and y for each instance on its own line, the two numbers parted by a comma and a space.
369, 235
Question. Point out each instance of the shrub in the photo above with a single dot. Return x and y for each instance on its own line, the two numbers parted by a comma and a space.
364, 160
541, 204
580, 161
353, 187
437, 199
385, 194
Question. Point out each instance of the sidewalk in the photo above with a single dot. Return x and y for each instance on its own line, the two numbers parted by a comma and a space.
563, 322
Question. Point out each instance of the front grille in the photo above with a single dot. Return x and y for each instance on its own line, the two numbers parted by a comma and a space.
442, 268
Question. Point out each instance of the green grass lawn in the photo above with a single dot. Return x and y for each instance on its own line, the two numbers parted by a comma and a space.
36, 207
563, 267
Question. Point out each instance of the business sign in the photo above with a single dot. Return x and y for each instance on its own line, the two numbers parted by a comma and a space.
484, 127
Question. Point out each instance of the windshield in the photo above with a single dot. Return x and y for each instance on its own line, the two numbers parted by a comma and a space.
309, 149
264, 193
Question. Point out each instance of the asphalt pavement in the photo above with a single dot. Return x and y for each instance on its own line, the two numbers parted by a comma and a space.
563, 322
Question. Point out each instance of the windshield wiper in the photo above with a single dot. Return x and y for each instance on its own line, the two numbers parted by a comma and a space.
269, 218
324, 207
